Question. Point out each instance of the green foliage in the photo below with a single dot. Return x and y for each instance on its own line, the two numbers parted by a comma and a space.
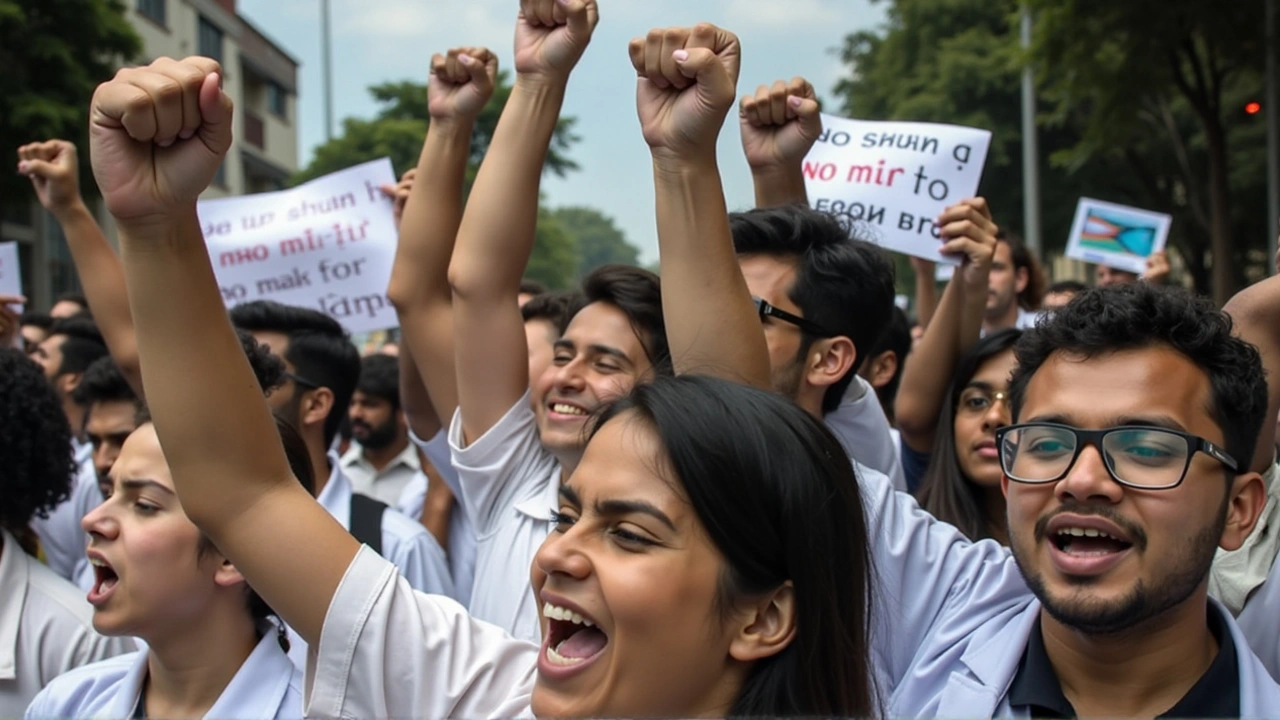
1117, 121
53, 54
597, 239
554, 255
401, 124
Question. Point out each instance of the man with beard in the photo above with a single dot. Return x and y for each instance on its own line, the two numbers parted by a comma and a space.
1136, 417
1015, 287
382, 461
322, 369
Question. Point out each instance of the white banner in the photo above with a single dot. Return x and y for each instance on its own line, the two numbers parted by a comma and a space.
11, 279
893, 179
1117, 236
327, 244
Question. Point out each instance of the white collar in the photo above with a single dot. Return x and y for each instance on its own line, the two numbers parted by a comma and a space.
407, 457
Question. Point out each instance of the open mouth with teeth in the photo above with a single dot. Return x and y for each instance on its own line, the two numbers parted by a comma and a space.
560, 408
104, 578
1087, 542
571, 638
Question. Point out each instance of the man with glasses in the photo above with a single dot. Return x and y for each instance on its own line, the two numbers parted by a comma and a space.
322, 370
1136, 413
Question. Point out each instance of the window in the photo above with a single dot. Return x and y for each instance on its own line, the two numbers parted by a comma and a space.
210, 39
156, 10
277, 101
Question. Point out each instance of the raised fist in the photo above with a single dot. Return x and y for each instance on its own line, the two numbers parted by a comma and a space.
461, 83
157, 135
688, 80
551, 36
780, 123
54, 173
967, 230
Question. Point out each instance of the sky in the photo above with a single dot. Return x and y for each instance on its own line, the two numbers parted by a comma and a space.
385, 40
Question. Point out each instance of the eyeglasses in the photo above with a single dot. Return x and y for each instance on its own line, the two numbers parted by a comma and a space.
766, 311
299, 380
1148, 458
979, 400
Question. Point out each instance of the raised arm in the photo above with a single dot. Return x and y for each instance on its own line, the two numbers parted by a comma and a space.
1256, 314
460, 86
55, 175
157, 136
498, 226
687, 83
955, 327
926, 289
779, 125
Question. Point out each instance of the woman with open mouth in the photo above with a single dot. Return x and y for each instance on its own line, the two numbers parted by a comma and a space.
214, 648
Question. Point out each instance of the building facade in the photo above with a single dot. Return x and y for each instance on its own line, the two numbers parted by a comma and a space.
260, 77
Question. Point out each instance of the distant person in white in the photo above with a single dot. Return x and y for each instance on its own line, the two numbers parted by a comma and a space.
45, 623
381, 461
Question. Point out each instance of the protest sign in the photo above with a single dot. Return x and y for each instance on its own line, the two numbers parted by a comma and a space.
893, 179
1116, 235
10, 271
327, 244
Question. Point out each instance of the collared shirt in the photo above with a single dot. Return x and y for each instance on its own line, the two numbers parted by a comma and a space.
386, 484
62, 540
267, 685
46, 628
1037, 690
462, 535
863, 429
405, 543
510, 483
386, 651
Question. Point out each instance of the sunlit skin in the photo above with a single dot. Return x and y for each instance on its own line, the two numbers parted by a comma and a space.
599, 359
630, 554
107, 426
1129, 387
141, 532
541, 336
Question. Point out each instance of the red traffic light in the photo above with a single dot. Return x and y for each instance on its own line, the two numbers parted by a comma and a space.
1253, 108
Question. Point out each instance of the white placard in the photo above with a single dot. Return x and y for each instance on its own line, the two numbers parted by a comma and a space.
894, 178
327, 244
11, 278
1117, 236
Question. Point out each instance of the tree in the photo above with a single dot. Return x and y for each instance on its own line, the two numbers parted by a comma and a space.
401, 124
54, 54
1140, 68
598, 239
554, 256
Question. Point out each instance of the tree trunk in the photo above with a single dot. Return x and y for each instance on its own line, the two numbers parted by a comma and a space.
1223, 283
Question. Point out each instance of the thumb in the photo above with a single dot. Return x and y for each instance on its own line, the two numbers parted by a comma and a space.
215, 115
808, 116
581, 17
704, 67
38, 169
479, 72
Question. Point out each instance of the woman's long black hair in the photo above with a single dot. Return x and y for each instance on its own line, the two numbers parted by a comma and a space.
778, 497
944, 491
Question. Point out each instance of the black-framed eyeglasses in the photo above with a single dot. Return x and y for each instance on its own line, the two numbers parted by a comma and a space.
1147, 458
766, 311
299, 380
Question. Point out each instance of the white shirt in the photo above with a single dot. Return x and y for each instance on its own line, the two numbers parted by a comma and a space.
386, 651
267, 685
510, 483
863, 429
462, 534
386, 484
46, 629
61, 537
405, 543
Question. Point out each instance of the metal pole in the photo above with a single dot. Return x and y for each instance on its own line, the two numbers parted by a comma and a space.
1030, 150
1271, 115
326, 60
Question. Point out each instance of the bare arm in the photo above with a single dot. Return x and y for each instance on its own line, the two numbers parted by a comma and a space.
419, 285
54, 172
926, 290
227, 461
779, 125
955, 327
419, 411
496, 237
686, 86
1256, 314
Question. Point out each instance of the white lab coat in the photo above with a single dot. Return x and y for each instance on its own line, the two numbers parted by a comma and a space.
267, 685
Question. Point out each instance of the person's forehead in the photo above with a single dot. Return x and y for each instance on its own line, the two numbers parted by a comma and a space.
142, 457
1095, 391
113, 412
603, 324
769, 276
624, 459
1004, 253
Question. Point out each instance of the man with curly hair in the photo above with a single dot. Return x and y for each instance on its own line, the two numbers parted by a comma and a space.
46, 625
